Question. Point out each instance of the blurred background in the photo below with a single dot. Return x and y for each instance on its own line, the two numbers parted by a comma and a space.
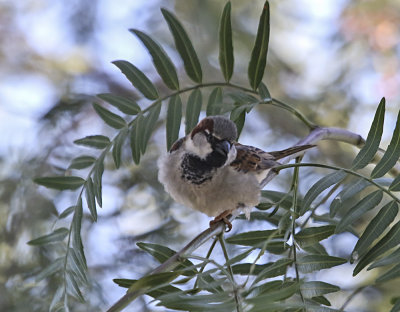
331, 59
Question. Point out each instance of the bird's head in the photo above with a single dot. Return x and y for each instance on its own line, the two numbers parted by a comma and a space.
213, 135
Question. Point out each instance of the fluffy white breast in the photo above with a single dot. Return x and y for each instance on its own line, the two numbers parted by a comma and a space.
228, 188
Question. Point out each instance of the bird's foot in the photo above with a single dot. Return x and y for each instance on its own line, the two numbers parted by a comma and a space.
224, 218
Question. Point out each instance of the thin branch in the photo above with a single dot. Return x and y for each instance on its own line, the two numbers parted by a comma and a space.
272, 101
352, 295
322, 201
294, 215
235, 286
173, 261
207, 257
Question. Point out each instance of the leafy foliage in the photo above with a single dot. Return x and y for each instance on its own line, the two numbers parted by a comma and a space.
294, 242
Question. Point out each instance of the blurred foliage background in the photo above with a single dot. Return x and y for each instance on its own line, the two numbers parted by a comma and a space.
331, 59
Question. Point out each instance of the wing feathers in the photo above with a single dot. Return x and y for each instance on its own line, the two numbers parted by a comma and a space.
253, 159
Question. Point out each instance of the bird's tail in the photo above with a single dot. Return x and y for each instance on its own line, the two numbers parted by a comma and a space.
290, 151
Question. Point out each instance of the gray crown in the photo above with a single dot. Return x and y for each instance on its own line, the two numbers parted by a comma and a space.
224, 128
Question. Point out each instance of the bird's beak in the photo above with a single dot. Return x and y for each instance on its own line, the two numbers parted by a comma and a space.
223, 147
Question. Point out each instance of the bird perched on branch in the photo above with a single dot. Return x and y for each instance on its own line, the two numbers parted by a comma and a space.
209, 171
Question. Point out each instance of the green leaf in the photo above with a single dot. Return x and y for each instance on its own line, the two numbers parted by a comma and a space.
239, 121
56, 304
226, 58
174, 116
264, 288
73, 287
208, 283
371, 146
240, 256
153, 281
82, 162
60, 182
97, 177
264, 92
76, 234
138, 79
376, 227
292, 306
163, 253
258, 58
285, 222
390, 259
245, 268
395, 186
90, 198
315, 289
261, 216
161, 60
396, 305
359, 209
273, 269
320, 186
238, 110
220, 302
214, 104
96, 141
348, 192
321, 300
311, 263
391, 155
111, 119
76, 225
283, 199
389, 275
76, 266
241, 98
149, 124
315, 249
184, 47
124, 104
126, 283
193, 109
66, 212
56, 236
313, 235
254, 238
136, 137
277, 295
263, 271
390, 240
117, 146
51, 269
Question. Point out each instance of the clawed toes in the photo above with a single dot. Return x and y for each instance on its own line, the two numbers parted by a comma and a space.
225, 220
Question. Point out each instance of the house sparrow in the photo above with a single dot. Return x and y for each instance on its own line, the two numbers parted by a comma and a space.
210, 172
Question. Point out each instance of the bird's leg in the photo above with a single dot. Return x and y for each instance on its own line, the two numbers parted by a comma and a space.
223, 217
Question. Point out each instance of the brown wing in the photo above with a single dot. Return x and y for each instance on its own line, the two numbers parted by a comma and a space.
253, 159
250, 158
289, 151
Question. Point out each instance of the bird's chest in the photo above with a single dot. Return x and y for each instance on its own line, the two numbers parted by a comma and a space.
200, 171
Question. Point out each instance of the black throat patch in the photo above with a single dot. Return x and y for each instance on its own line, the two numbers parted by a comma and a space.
197, 171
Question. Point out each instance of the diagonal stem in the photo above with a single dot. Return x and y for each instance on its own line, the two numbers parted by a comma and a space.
235, 286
